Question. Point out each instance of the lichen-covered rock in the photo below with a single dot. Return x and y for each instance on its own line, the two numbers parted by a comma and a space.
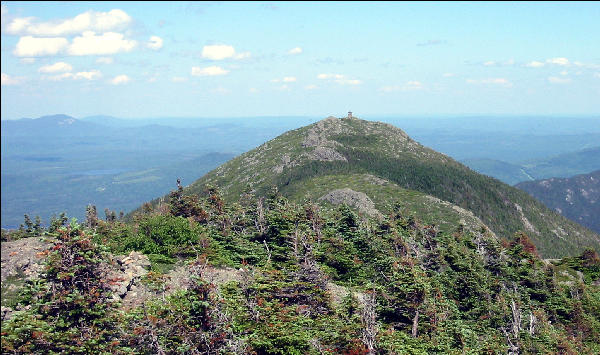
24, 257
356, 199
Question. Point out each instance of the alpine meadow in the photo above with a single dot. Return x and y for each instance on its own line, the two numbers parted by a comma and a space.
300, 178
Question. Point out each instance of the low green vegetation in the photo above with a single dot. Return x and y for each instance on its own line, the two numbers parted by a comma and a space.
309, 280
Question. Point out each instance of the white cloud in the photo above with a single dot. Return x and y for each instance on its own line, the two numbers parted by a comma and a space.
448, 75
155, 43
587, 65
349, 81
597, 75
557, 80
534, 64
120, 79
311, 87
34, 47
27, 60
87, 21
87, 75
56, 68
286, 79
490, 81
564, 72
209, 71
179, 79
105, 60
243, 55
107, 43
495, 63
222, 51
253, 90
296, 50
330, 76
558, 61
412, 85
340, 79
9, 80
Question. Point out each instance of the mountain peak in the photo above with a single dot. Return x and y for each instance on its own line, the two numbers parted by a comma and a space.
346, 159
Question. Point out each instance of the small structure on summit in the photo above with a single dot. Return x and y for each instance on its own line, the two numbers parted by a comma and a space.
349, 114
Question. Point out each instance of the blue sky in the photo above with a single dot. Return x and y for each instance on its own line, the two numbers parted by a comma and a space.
153, 59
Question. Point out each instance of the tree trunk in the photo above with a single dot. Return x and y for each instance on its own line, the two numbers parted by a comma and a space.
415, 324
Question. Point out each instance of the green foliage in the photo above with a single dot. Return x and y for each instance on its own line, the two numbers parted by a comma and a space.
69, 307
309, 280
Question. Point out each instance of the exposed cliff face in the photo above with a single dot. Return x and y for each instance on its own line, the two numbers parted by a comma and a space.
577, 198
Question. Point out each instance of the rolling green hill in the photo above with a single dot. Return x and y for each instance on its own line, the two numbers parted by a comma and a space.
295, 161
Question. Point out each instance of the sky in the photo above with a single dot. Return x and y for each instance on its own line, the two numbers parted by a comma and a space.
240, 59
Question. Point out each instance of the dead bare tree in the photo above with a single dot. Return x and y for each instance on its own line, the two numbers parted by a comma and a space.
369, 322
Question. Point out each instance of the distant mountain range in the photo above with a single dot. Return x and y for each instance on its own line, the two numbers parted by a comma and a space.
563, 165
577, 198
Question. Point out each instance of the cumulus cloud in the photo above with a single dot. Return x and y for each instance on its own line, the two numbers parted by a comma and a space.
87, 21
107, 43
29, 46
9, 80
534, 64
558, 61
83, 75
557, 80
222, 51
120, 79
56, 68
209, 71
296, 50
311, 87
218, 52
104, 60
490, 81
155, 43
